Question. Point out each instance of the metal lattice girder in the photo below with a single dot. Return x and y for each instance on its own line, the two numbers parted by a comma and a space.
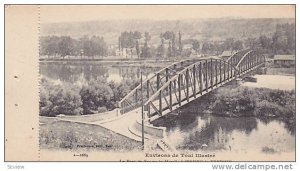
187, 80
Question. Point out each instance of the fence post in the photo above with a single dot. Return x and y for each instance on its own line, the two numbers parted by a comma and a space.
187, 84
157, 81
160, 105
206, 75
179, 89
194, 80
211, 73
200, 76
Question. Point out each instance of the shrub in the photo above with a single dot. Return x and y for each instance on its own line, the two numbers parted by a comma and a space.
96, 94
261, 102
265, 108
59, 99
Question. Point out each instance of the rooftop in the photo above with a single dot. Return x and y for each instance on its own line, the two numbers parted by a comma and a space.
284, 57
227, 53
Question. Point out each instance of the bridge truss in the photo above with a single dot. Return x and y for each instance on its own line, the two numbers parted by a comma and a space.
185, 81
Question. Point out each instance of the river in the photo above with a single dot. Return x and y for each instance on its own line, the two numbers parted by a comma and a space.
190, 128
77, 72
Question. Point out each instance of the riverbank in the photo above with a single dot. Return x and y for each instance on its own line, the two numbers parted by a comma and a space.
73, 136
233, 101
263, 103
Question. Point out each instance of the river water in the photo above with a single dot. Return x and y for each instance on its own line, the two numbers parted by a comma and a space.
78, 72
190, 128
196, 131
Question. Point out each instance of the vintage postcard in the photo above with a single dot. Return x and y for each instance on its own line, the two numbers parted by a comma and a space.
150, 83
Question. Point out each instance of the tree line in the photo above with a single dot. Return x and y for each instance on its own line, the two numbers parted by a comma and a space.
171, 44
66, 46
283, 41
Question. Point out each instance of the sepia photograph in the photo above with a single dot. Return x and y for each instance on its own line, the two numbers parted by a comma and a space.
165, 82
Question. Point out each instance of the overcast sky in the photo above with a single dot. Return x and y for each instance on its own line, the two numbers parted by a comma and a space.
71, 13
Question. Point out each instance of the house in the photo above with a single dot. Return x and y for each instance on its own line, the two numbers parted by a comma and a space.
125, 53
284, 60
187, 46
226, 54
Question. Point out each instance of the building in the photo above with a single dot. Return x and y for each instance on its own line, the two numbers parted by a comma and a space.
284, 60
187, 46
226, 54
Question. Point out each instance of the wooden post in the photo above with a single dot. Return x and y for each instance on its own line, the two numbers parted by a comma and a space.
179, 89
160, 105
194, 80
142, 111
216, 72
206, 75
200, 77
148, 92
167, 74
211, 73
221, 71
187, 85
224, 71
167, 79
136, 96
157, 81
231, 71
170, 94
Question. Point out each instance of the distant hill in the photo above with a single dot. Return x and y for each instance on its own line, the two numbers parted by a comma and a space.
208, 29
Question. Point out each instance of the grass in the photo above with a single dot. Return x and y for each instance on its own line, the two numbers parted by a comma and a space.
281, 71
268, 150
77, 136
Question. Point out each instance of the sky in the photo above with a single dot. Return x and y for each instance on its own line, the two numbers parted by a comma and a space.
79, 13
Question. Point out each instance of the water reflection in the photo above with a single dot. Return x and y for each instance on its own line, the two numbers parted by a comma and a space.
72, 72
194, 131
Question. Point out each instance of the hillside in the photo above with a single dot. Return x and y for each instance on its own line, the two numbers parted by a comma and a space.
211, 29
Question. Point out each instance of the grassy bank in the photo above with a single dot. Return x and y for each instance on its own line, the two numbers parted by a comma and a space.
83, 137
258, 102
281, 71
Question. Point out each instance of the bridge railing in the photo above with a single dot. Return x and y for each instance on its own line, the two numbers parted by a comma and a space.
187, 78
196, 79
249, 61
236, 57
133, 100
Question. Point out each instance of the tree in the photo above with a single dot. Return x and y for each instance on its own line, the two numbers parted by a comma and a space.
179, 43
169, 50
59, 99
49, 45
206, 47
137, 48
237, 45
95, 96
196, 45
137, 36
251, 43
173, 46
146, 50
229, 43
65, 46
161, 48
170, 36
283, 40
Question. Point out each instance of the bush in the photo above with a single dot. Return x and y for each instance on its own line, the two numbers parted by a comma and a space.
233, 102
96, 94
266, 108
260, 102
59, 99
